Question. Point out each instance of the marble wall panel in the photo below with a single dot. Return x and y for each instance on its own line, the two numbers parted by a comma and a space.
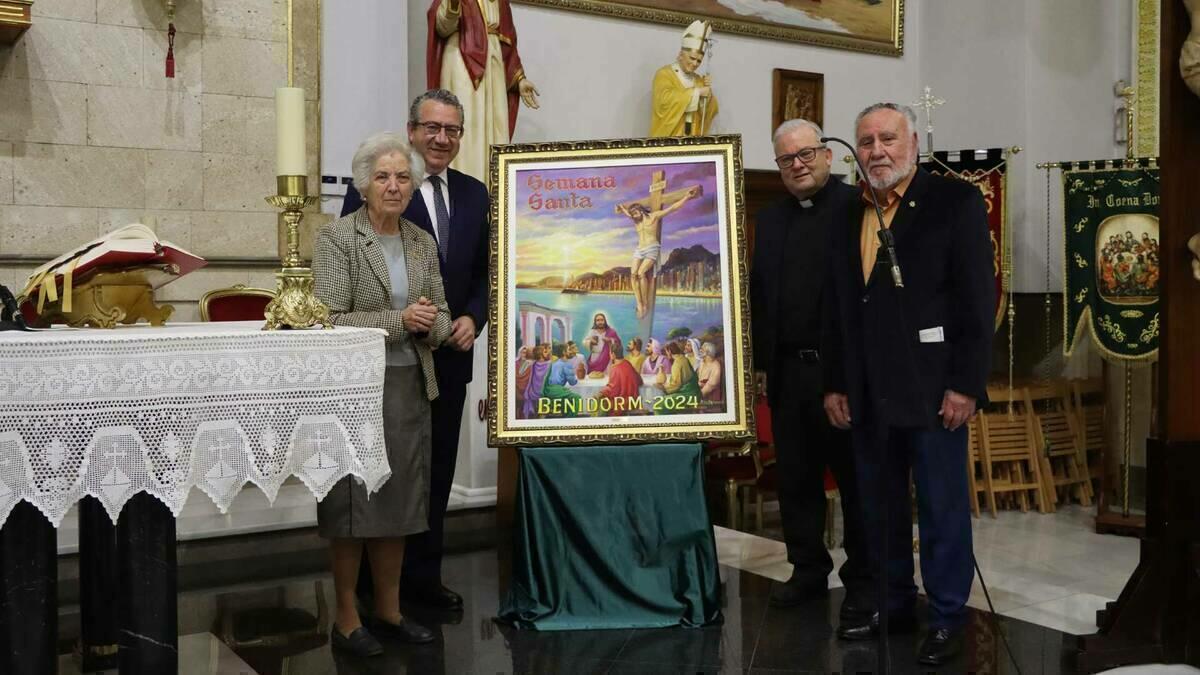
174, 180
189, 15
233, 234
243, 67
238, 182
6, 173
75, 10
189, 58
73, 175
43, 112
45, 230
143, 118
70, 51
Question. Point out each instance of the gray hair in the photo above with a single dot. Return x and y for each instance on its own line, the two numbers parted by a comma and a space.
795, 125
710, 349
376, 146
443, 96
909, 116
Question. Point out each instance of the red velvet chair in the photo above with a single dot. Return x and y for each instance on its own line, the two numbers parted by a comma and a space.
741, 467
238, 303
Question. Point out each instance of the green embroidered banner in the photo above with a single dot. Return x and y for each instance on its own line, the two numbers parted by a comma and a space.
1111, 260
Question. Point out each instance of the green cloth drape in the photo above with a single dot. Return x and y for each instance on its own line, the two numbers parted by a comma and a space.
612, 537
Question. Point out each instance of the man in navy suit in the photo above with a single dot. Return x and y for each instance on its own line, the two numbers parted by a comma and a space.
453, 207
907, 367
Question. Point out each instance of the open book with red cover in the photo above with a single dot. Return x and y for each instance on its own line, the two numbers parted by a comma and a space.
132, 246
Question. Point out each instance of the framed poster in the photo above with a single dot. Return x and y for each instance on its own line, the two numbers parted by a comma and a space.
619, 293
797, 94
874, 26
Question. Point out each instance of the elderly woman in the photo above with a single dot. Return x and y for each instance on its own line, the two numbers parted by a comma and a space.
374, 268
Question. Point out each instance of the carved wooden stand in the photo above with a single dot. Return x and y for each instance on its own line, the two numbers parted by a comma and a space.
1157, 617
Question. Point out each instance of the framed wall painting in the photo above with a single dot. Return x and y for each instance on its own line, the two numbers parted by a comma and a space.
619, 294
873, 26
795, 93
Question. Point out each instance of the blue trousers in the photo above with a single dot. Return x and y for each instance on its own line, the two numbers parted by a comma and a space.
937, 461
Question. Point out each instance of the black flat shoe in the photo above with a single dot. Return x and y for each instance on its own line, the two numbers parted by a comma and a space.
438, 597
359, 642
940, 646
406, 631
868, 629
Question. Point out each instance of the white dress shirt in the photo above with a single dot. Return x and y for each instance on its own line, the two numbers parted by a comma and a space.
427, 195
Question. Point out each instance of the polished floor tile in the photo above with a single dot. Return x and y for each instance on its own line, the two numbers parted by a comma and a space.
753, 638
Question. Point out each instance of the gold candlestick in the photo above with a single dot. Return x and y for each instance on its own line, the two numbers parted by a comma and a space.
294, 305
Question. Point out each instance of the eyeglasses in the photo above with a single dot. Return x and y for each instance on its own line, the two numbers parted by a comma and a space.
433, 129
805, 155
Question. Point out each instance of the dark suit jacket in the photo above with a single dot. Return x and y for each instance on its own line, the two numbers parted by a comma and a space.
773, 257
870, 345
465, 272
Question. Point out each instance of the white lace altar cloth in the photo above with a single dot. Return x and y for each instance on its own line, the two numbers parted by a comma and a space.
111, 413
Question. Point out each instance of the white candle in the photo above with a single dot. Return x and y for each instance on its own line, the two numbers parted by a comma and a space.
289, 132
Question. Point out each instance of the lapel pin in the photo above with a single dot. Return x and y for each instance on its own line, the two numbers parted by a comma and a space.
912, 205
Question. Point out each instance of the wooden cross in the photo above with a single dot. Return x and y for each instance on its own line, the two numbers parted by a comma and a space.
655, 200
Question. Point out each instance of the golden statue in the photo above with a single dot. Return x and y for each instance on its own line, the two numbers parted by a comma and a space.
684, 104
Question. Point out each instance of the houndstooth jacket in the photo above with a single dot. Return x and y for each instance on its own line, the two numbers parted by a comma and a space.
352, 279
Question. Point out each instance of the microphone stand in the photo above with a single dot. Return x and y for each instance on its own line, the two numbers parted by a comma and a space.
888, 245
10, 315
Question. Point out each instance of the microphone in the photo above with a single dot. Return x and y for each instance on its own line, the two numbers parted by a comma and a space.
885, 235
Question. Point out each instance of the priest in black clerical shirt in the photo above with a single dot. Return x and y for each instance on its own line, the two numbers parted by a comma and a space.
786, 287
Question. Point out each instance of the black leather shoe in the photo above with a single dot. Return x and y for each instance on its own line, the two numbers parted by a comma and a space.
940, 646
868, 629
856, 607
359, 642
406, 631
437, 597
797, 591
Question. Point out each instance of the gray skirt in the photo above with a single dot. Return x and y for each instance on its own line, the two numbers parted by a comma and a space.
401, 505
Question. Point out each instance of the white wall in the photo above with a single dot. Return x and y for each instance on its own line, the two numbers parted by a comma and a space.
364, 80
1034, 74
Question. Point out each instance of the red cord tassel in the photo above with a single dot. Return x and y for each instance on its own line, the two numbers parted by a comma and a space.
171, 50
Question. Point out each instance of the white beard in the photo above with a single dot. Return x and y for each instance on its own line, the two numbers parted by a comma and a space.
893, 177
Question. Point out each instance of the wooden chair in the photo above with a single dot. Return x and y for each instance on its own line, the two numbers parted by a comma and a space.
977, 479
1013, 469
1058, 443
237, 303
1088, 403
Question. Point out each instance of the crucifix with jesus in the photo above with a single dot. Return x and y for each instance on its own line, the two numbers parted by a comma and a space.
647, 215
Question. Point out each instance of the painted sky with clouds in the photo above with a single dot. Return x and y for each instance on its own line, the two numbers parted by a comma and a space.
554, 242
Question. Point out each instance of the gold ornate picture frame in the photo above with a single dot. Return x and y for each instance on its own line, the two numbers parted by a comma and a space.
797, 94
873, 26
619, 293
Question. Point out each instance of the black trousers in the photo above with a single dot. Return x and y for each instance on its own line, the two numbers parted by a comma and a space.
423, 552
805, 444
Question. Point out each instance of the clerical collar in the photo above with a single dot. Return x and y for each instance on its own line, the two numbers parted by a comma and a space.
816, 197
